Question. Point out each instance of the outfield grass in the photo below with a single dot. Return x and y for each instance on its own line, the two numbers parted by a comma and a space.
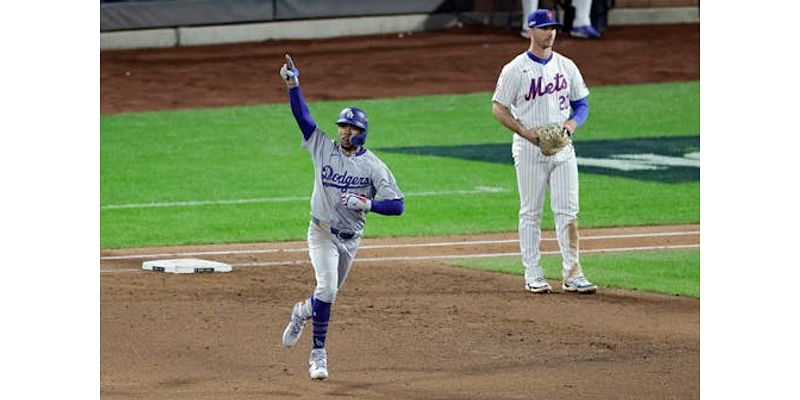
246, 163
669, 272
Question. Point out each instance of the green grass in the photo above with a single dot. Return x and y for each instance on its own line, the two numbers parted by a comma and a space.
634, 111
669, 272
254, 152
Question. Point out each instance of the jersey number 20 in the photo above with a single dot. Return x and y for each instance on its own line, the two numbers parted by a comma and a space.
563, 103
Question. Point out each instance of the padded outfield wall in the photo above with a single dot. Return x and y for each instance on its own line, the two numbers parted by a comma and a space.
116, 15
127, 24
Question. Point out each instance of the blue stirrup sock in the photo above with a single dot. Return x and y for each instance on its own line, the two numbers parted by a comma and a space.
320, 317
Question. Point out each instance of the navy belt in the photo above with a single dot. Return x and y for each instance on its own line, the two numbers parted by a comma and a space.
334, 231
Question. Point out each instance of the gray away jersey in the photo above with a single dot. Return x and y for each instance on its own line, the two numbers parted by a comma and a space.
335, 173
539, 94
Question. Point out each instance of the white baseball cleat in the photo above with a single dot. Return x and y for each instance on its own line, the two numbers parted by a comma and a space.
318, 364
535, 282
295, 327
579, 284
538, 285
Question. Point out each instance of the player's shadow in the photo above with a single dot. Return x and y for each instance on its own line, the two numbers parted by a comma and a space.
602, 152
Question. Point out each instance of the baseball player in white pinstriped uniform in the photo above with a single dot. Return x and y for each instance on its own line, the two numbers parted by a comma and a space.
538, 88
347, 180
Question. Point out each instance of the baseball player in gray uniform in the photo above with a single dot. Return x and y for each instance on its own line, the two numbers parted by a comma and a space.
347, 180
537, 88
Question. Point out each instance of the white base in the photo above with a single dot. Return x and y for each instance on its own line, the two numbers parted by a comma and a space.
186, 266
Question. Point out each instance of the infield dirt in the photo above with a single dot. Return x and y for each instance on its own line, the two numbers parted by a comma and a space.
419, 329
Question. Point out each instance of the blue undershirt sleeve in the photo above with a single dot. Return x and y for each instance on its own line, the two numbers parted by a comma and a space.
388, 207
300, 111
580, 111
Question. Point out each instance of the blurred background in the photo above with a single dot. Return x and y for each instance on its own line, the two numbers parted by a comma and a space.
168, 23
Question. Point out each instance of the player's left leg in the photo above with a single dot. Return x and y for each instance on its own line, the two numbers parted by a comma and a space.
565, 205
325, 257
333, 277
347, 254
318, 360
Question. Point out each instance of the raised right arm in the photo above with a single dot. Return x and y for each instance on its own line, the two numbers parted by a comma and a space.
291, 75
301, 113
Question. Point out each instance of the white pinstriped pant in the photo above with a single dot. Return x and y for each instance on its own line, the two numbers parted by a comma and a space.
535, 173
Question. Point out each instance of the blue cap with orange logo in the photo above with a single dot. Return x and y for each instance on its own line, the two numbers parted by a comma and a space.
542, 18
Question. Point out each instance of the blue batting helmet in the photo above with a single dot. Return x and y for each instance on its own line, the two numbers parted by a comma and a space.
355, 117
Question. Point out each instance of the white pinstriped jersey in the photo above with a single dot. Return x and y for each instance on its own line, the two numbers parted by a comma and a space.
539, 94
335, 173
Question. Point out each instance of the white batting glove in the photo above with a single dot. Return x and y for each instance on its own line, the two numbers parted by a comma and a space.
355, 202
290, 76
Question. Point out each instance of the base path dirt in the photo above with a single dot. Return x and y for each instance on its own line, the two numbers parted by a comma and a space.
408, 324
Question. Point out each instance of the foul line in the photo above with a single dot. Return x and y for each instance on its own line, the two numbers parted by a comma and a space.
477, 255
195, 203
442, 257
388, 246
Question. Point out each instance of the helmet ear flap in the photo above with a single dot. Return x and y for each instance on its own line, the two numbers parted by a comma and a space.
359, 140
358, 118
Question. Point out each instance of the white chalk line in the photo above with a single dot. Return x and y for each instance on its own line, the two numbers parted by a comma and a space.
463, 256
195, 203
476, 255
388, 246
443, 257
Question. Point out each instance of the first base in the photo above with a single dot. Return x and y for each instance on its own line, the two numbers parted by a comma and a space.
186, 266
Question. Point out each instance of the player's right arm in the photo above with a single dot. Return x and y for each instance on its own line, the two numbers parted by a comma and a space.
504, 115
297, 102
505, 93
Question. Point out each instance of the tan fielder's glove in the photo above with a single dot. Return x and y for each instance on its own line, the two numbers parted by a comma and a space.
552, 139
